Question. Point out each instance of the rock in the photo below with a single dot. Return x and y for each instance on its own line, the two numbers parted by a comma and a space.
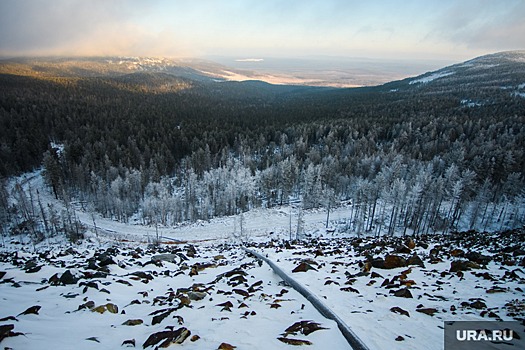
112, 308
478, 258
398, 310
142, 275
378, 263
191, 251
427, 311
375, 275
400, 338
197, 295
165, 257
6, 331
88, 305
478, 304
68, 278
129, 343
106, 260
457, 253
394, 261
241, 292
33, 310
402, 293
416, 260
161, 315
291, 341
410, 243
403, 249
165, 338
133, 322
349, 289
496, 289
303, 327
2, 274
194, 338
303, 267
92, 265
462, 265
226, 305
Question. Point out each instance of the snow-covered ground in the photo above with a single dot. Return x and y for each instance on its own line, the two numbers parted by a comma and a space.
431, 77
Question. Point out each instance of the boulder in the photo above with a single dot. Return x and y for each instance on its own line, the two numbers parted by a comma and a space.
68, 278
402, 293
394, 261
415, 260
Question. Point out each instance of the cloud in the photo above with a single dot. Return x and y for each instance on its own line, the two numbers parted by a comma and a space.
76, 27
481, 25
255, 28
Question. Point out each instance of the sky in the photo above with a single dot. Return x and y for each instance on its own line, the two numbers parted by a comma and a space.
392, 29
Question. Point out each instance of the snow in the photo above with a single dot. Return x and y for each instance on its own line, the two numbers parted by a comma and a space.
470, 103
338, 259
368, 312
431, 77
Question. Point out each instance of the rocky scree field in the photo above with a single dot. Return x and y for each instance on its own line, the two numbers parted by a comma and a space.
393, 292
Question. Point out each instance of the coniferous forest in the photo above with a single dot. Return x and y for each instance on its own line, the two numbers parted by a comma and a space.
435, 153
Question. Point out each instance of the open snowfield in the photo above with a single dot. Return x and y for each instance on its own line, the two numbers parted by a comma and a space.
200, 290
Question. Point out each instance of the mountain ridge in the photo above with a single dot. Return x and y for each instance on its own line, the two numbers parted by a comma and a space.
205, 71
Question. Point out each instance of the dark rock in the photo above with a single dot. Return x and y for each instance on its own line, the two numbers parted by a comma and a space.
427, 311
68, 278
289, 341
416, 260
378, 263
398, 310
92, 265
403, 249
349, 289
457, 253
462, 265
400, 338
33, 310
198, 295
375, 275
129, 343
106, 260
165, 257
54, 280
133, 322
165, 338
394, 261
478, 304
303, 267
303, 327
518, 252
478, 258
402, 293
410, 243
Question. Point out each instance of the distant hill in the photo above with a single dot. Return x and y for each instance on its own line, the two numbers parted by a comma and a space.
477, 81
